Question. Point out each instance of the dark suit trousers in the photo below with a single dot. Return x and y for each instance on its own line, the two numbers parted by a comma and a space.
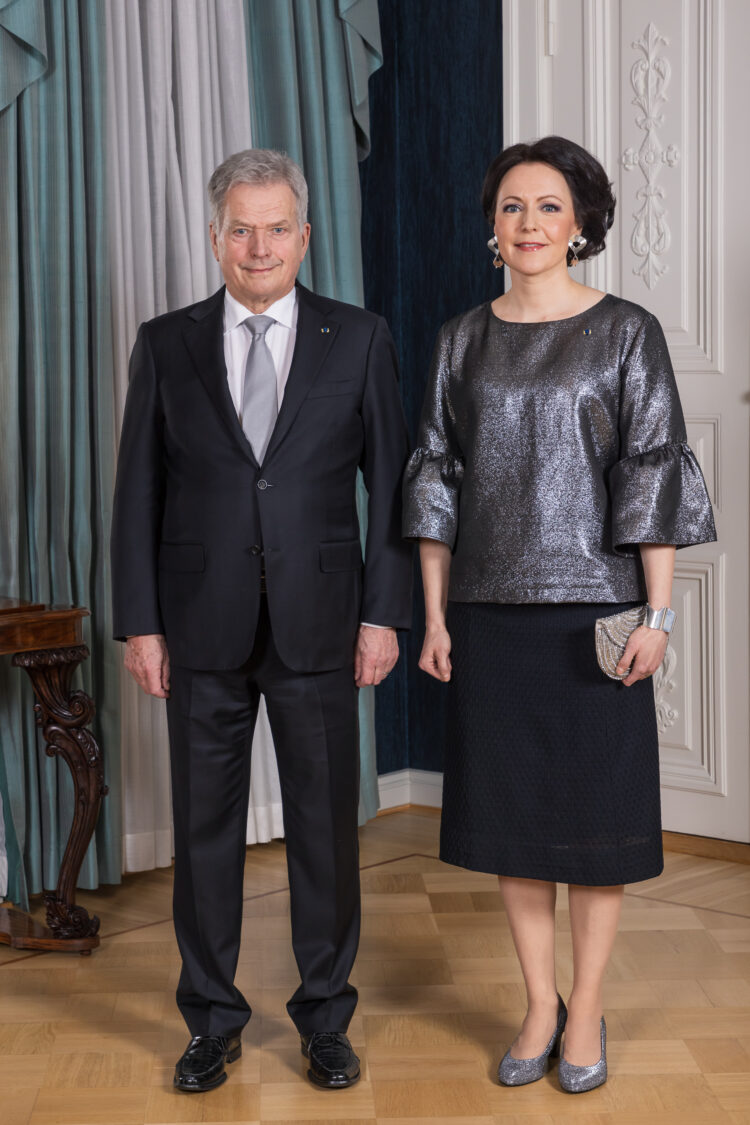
313, 718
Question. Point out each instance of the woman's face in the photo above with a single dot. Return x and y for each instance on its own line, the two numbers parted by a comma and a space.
534, 219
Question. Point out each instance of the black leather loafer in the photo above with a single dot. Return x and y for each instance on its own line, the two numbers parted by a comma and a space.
333, 1064
201, 1068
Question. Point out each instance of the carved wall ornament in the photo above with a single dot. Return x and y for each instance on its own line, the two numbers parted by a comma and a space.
664, 685
649, 78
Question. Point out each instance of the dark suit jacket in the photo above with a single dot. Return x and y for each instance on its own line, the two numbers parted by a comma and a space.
193, 508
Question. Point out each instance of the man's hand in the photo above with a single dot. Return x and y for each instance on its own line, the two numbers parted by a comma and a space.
147, 660
375, 653
643, 654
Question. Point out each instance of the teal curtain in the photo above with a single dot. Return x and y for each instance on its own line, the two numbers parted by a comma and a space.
310, 62
56, 407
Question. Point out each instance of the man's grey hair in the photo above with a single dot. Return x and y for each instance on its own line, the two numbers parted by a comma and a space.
256, 166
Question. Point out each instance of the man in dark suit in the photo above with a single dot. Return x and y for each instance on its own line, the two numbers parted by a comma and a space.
237, 571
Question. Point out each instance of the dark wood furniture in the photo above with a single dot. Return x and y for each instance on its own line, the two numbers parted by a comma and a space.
48, 642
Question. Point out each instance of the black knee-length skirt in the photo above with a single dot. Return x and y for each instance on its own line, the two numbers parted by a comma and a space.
551, 769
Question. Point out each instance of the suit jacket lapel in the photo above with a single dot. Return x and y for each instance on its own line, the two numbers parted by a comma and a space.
204, 337
315, 335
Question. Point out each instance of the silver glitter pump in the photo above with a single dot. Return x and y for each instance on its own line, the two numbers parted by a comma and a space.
520, 1072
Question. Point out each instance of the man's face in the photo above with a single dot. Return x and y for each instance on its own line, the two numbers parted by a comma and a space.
260, 246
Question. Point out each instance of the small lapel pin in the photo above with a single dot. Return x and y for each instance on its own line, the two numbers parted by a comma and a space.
587, 331
325, 330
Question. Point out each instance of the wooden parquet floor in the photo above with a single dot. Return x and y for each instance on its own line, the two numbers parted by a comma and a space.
93, 1041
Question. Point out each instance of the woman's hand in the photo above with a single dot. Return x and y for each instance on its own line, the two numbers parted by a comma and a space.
646, 647
435, 658
435, 558
643, 654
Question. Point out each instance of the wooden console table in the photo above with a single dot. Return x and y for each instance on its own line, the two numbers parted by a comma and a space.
48, 642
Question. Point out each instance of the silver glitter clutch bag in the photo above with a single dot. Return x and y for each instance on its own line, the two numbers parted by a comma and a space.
612, 634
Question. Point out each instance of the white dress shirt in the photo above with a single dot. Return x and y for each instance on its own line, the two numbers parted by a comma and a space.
280, 338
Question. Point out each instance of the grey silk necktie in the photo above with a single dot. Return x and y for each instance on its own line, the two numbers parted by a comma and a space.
259, 395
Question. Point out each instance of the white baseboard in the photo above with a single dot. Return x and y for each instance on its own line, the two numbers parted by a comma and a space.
410, 787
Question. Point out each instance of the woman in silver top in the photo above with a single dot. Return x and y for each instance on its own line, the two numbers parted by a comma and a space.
551, 486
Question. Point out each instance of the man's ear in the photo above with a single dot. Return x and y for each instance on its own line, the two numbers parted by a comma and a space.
213, 239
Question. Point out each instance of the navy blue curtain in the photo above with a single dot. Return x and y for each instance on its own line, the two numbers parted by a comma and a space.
436, 122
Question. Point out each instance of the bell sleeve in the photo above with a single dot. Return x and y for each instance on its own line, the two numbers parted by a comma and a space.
657, 489
432, 481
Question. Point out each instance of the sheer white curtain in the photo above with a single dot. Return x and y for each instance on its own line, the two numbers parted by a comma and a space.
178, 103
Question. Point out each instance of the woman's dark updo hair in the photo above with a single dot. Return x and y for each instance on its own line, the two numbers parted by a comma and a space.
593, 201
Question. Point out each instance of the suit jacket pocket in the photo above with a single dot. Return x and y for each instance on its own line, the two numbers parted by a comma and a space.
340, 387
181, 558
346, 555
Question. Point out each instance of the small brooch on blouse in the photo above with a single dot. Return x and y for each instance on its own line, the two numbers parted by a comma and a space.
587, 331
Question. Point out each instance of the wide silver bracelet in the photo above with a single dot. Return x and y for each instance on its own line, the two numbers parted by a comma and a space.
663, 619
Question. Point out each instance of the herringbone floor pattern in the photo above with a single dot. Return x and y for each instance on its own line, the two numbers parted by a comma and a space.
93, 1041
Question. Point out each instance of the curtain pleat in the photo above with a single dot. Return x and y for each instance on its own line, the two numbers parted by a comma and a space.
56, 469
23, 47
310, 61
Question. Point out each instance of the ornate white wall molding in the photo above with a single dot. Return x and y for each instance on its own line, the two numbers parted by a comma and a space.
704, 437
671, 256
692, 754
697, 346
664, 686
649, 78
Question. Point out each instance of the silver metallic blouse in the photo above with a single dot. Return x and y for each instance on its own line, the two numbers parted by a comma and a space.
548, 451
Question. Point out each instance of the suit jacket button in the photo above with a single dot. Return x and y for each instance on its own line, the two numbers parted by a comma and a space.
256, 550
262, 484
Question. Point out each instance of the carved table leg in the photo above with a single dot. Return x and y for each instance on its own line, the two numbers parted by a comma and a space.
64, 716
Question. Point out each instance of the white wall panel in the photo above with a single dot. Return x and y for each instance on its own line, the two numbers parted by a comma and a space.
688, 687
658, 90
671, 203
